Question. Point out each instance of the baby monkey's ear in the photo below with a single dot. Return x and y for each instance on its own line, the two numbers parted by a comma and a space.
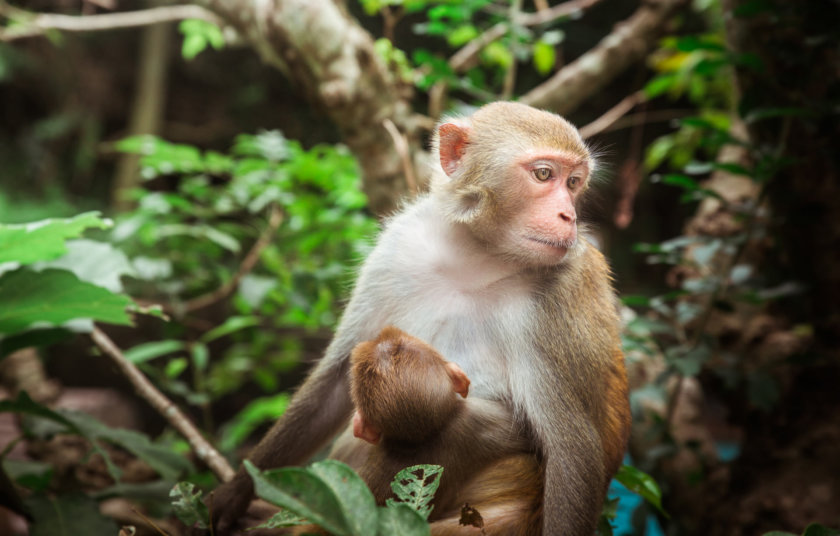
365, 430
460, 382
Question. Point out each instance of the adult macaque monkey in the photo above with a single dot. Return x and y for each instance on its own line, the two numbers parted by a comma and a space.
489, 269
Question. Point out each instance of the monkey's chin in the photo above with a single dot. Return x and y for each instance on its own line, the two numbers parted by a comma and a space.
555, 250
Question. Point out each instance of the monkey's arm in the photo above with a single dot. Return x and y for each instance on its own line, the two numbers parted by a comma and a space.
316, 413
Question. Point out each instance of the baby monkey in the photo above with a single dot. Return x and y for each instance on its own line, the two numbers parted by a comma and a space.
412, 408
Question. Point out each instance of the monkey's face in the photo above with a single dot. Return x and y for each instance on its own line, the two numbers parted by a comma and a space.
544, 186
515, 177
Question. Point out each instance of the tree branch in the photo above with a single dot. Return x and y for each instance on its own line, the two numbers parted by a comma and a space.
34, 25
612, 115
628, 43
165, 407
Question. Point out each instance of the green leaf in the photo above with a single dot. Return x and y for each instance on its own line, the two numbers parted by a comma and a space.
258, 412
815, 529
24, 404
462, 35
175, 367
221, 239
498, 54
682, 181
35, 337
641, 483
660, 84
231, 325
544, 57
401, 520
759, 114
416, 487
200, 356
53, 297
302, 492
162, 459
283, 518
44, 240
188, 506
657, 151
67, 515
152, 350
95, 262
356, 499
197, 35
690, 43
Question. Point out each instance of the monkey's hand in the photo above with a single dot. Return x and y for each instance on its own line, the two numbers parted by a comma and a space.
227, 504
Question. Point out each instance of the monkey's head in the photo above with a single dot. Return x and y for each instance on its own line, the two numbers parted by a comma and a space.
514, 176
402, 388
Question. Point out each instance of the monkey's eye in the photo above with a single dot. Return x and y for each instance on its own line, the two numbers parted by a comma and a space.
574, 182
542, 174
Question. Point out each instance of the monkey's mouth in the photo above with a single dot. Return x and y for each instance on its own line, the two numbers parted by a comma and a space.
561, 246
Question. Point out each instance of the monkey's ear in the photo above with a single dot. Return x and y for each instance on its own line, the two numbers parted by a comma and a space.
460, 382
365, 430
453, 145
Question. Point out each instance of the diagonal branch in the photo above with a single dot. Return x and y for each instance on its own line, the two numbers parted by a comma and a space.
34, 25
629, 42
173, 415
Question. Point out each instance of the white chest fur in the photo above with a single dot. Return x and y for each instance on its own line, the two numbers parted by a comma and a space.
444, 290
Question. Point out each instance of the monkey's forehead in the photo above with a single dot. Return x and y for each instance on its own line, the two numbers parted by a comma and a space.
530, 125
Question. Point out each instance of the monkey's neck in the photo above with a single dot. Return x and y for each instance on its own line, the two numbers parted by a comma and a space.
458, 255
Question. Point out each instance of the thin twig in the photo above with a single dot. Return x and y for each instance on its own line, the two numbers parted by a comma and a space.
248, 263
559, 11
612, 115
37, 24
401, 146
150, 522
165, 407
646, 117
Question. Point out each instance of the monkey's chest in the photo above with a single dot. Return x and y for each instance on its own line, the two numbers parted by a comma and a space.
475, 328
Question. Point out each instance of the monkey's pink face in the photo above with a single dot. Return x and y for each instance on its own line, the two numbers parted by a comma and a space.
549, 184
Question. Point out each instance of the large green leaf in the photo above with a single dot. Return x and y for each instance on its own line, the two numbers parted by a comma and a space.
44, 240
67, 515
302, 492
95, 262
355, 497
53, 297
162, 459
401, 520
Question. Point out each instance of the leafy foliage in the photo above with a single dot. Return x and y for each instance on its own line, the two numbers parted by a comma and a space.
190, 240
416, 487
188, 506
641, 483
331, 495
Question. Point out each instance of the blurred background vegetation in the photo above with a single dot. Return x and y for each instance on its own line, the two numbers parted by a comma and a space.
228, 176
